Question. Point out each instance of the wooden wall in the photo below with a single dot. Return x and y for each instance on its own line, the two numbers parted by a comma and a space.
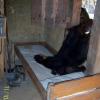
94, 50
1, 7
64, 14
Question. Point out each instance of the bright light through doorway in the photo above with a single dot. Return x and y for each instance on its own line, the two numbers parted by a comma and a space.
90, 7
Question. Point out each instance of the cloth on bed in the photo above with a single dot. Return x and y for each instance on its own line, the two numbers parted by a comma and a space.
62, 78
42, 73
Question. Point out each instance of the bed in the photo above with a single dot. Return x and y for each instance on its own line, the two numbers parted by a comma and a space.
54, 87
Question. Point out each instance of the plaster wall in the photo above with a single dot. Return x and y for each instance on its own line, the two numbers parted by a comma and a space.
20, 26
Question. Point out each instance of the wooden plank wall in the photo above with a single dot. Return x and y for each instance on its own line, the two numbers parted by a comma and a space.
61, 12
36, 11
76, 12
1, 7
56, 12
48, 13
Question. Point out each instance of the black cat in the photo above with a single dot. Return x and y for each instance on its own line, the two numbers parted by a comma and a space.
73, 51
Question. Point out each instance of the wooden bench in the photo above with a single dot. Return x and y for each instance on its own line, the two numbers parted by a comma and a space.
75, 86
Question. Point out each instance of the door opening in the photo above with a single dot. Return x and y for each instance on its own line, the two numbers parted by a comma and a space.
89, 5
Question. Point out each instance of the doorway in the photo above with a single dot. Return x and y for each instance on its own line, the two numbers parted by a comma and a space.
89, 5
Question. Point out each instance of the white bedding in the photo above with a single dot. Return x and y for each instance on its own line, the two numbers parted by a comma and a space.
44, 74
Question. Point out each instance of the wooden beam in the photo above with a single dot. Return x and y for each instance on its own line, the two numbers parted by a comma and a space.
75, 86
76, 12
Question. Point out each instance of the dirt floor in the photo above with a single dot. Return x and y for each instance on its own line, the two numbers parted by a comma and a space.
26, 91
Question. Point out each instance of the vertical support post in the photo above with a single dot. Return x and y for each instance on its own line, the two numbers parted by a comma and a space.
94, 50
76, 12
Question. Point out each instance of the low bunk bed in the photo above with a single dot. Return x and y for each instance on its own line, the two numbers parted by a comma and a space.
74, 86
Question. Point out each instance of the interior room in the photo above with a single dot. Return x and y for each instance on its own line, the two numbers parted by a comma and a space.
49, 50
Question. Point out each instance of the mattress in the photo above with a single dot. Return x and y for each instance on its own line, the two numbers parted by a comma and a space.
42, 73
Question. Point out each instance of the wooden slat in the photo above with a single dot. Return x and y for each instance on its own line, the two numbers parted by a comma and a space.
76, 12
75, 86
95, 95
2, 55
36, 11
91, 96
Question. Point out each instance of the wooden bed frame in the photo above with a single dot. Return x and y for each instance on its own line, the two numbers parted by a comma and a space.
87, 88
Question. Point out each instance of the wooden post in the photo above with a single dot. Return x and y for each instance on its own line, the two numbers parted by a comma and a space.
2, 46
1, 7
76, 12
2, 55
94, 50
